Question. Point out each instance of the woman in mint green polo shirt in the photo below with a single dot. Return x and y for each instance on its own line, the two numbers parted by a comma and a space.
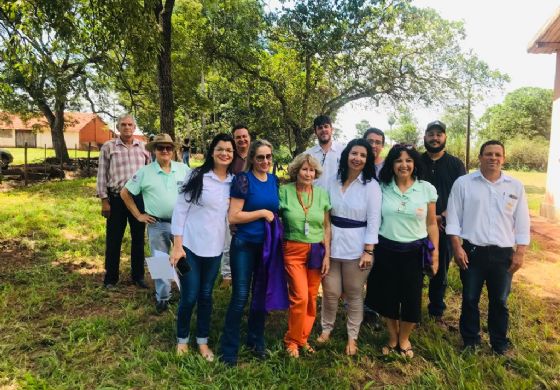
304, 209
407, 235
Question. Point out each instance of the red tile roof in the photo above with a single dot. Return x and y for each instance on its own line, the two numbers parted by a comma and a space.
74, 121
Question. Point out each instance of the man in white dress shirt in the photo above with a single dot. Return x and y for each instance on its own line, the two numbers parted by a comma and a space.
327, 152
488, 210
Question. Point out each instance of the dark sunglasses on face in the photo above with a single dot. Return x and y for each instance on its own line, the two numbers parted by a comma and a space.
262, 157
161, 148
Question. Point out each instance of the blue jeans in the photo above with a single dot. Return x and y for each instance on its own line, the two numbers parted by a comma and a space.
196, 287
490, 265
186, 156
438, 284
245, 256
160, 238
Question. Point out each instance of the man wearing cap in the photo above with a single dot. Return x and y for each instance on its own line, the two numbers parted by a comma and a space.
488, 210
159, 184
376, 139
119, 159
327, 152
442, 169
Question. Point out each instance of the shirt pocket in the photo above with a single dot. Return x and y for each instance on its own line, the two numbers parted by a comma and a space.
419, 210
509, 203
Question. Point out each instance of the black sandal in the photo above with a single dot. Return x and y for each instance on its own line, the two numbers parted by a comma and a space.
407, 352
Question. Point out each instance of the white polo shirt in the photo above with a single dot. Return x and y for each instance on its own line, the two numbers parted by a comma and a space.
329, 161
486, 213
203, 225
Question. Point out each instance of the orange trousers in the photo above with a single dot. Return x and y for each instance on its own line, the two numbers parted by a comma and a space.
303, 286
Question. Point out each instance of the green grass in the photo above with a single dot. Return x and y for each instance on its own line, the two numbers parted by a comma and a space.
37, 155
59, 329
535, 187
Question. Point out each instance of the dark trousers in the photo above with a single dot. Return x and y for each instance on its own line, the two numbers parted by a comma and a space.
244, 258
438, 284
114, 232
490, 265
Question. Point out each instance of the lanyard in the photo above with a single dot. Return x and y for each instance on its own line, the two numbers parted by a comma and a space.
305, 208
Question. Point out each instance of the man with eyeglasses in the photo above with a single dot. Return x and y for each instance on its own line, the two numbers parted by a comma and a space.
376, 139
119, 159
327, 151
158, 183
442, 169
242, 140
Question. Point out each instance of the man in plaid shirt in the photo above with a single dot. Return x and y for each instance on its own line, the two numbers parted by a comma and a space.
119, 159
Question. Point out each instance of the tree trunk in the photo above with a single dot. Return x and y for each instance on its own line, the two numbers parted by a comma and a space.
56, 123
300, 139
165, 81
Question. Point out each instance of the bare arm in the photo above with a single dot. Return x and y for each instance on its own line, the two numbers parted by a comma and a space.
327, 241
236, 215
433, 234
131, 206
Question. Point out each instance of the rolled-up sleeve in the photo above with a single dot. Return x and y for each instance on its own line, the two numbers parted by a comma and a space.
180, 211
373, 213
522, 224
455, 210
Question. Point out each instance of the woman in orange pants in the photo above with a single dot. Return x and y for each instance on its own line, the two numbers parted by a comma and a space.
305, 214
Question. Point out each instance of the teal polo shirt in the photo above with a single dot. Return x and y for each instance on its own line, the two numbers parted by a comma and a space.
158, 188
403, 215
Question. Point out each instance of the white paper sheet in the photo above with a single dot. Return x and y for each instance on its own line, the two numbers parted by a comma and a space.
160, 267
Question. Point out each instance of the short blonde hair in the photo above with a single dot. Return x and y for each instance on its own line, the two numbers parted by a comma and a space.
297, 163
253, 152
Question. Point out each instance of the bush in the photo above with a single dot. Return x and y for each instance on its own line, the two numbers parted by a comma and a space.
524, 154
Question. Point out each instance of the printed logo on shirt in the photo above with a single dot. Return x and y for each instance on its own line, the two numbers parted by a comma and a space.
420, 212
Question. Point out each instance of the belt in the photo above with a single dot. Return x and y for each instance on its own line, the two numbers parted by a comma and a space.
166, 220
486, 247
347, 223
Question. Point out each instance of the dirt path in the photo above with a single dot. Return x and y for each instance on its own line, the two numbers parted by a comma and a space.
542, 264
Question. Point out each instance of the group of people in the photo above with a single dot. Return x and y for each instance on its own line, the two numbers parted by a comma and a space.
346, 218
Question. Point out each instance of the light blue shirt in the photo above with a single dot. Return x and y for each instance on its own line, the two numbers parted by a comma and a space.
486, 213
159, 189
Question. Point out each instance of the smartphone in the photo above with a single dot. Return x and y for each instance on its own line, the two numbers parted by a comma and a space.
182, 266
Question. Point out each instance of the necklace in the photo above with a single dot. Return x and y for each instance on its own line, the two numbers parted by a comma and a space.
305, 208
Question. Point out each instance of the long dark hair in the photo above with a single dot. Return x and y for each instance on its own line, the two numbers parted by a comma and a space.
192, 189
368, 172
388, 173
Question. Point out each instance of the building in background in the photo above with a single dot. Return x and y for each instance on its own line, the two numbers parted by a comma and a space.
547, 41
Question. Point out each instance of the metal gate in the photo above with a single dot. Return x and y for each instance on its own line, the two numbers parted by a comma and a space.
23, 136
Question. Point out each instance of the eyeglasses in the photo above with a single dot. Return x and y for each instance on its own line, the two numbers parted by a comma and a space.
221, 150
374, 142
262, 157
161, 148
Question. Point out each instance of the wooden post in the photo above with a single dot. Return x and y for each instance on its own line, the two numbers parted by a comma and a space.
25, 163
88, 156
75, 151
45, 161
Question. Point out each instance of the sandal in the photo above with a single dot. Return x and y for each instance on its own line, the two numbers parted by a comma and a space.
292, 351
351, 348
182, 349
207, 354
387, 350
307, 348
407, 352
323, 338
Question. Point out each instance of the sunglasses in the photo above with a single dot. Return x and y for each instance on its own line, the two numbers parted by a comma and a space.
262, 157
404, 146
161, 148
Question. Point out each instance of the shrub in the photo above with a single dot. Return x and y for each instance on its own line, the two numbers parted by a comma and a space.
527, 154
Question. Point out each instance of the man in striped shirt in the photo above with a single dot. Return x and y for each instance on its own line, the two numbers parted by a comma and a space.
119, 159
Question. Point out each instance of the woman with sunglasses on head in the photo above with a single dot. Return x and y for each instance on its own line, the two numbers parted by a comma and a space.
254, 200
198, 227
406, 245
355, 216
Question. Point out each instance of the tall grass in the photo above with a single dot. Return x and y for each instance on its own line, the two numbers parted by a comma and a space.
59, 329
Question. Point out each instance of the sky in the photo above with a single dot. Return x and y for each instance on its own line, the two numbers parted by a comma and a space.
499, 32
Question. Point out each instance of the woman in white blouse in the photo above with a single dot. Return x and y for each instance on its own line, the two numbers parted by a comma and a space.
198, 227
355, 217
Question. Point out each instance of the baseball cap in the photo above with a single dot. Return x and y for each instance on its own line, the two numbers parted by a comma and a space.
438, 124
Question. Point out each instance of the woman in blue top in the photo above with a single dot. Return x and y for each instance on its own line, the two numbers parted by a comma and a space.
254, 200
406, 237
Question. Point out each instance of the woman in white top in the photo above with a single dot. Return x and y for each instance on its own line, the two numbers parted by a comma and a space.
198, 227
355, 217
